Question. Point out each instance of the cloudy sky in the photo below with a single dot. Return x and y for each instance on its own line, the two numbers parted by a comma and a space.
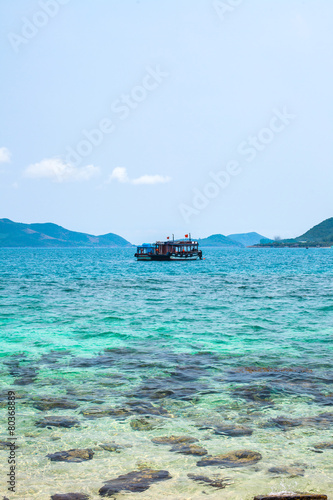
152, 117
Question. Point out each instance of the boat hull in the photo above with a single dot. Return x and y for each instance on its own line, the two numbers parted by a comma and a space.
174, 258
153, 257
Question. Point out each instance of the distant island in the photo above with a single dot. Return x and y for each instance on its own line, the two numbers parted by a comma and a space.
219, 240
39, 235
248, 239
318, 236
233, 240
16, 234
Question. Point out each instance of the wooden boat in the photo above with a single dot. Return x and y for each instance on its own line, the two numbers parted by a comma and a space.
176, 250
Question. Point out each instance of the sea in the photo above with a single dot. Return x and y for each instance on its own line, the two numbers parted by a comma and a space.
232, 352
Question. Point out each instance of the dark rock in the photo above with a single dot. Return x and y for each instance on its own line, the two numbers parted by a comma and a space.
230, 430
145, 423
24, 381
49, 403
131, 408
57, 421
291, 496
216, 482
113, 447
120, 413
189, 449
75, 455
4, 396
184, 393
25, 371
295, 376
47, 382
4, 445
323, 420
70, 496
290, 471
139, 408
155, 393
256, 393
172, 440
106, 359
85, 395
233, 430
96, 412
324, 399
120, 351
14, 359
239, 458
136, 481
285, 423
324, 446
188, 373
112, 381
53, 356
169, 387
83, 362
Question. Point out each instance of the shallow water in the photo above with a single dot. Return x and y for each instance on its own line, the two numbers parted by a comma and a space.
242, 337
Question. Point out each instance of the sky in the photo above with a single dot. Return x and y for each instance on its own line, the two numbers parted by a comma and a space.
148, 118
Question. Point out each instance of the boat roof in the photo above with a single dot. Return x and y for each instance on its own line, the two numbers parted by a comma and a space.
170, 242
177, 242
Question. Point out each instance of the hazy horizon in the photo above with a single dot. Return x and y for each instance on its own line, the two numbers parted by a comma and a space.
146, 119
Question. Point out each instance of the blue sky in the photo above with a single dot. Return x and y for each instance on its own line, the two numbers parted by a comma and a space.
147, 118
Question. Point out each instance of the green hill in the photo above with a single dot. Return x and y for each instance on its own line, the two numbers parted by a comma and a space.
219, 240
16, 234
247, 239
321, 233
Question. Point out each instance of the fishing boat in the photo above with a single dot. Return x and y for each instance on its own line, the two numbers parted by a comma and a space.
182, 250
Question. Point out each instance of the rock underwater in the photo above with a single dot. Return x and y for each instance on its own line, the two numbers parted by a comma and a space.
75, 455
136, 481
239, 458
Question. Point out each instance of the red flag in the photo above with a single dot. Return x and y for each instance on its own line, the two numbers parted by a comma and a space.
168, 238
186, 235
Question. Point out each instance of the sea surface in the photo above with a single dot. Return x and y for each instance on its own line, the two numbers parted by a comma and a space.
234, 351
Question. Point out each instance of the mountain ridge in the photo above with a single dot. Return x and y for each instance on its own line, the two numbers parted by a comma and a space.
219, 240
247, 239
19, 234
320, 235
322, 232
49, 235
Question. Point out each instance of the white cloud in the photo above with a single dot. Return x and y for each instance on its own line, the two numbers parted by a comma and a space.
120, 174
151, 179
4, 155
58, 171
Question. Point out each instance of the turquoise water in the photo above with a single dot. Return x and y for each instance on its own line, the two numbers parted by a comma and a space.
240, 338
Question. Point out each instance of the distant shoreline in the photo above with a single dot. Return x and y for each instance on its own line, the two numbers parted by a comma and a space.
306, 246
